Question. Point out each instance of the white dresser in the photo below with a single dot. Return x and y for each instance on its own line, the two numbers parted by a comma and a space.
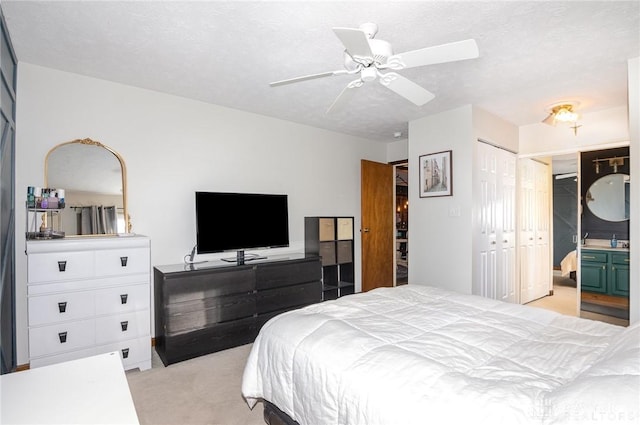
88, 296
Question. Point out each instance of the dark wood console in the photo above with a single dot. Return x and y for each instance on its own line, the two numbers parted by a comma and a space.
208, 307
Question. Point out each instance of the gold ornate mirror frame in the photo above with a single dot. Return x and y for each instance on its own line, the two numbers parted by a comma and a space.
90, 142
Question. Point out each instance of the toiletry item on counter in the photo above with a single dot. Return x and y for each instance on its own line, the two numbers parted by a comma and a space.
614, 242
45, 199
31, 197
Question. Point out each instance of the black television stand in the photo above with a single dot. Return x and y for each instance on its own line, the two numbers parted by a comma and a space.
219, 306
241, 258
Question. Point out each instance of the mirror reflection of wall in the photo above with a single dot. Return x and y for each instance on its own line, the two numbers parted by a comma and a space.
608, 197
94, 179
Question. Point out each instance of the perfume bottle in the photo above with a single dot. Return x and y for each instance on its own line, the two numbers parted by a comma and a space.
45, 199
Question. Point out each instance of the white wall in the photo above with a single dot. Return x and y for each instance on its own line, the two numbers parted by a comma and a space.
634, 137
174, 146
437, 236
397, 150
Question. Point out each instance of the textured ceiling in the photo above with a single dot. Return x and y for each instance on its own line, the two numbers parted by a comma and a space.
532, 54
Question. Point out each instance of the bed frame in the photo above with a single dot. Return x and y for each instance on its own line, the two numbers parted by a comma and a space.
275, 416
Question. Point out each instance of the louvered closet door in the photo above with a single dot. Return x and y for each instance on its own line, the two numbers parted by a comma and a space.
494, 229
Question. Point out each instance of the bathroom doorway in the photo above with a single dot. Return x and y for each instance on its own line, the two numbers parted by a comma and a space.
401, 222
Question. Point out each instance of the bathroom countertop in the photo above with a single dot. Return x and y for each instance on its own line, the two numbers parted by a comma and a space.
604, 248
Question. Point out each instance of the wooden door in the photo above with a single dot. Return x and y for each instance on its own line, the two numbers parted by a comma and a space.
377, 213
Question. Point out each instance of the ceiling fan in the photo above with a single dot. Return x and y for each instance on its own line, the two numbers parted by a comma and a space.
367, 58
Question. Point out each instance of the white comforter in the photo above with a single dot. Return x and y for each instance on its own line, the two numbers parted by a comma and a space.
417, 354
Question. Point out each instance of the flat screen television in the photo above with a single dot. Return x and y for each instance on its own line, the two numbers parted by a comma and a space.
239, 221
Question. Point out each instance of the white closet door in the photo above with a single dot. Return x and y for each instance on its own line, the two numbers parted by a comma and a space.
533, 224
494, 229
507, 288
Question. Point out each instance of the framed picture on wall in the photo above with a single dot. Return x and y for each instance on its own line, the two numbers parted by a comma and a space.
435, 174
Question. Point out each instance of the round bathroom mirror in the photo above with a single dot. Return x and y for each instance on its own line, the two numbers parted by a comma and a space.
608, 197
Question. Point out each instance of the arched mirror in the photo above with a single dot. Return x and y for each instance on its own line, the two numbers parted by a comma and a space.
608, 197
93, 177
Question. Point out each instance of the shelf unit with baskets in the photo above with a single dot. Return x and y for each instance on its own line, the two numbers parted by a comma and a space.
332, 239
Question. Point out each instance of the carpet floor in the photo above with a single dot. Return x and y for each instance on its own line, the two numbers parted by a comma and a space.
200, 391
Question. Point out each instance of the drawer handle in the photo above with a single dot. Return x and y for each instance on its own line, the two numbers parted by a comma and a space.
123, 261
62, 266
123, 298
124, 325
125, 353
588, 257
63, 337
62, 307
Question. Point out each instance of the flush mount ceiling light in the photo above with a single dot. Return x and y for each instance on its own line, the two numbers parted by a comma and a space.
563, 113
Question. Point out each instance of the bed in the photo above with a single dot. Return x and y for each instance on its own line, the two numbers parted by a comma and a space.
569, 263
417, 354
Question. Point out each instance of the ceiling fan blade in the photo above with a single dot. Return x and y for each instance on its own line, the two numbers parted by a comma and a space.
356, 43
550, 120
406, 88
308, 77
450, 52
345, 96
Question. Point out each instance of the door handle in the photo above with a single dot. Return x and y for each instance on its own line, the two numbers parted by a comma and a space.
365, 230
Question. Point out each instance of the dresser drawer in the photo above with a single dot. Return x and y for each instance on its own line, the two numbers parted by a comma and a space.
275, 275
114, 262
599, 257
122, 327
620, 258
122, 299
49, 309
60, 337
59, 266
133, 353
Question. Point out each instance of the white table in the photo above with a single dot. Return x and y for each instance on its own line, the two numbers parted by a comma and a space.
92, 390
